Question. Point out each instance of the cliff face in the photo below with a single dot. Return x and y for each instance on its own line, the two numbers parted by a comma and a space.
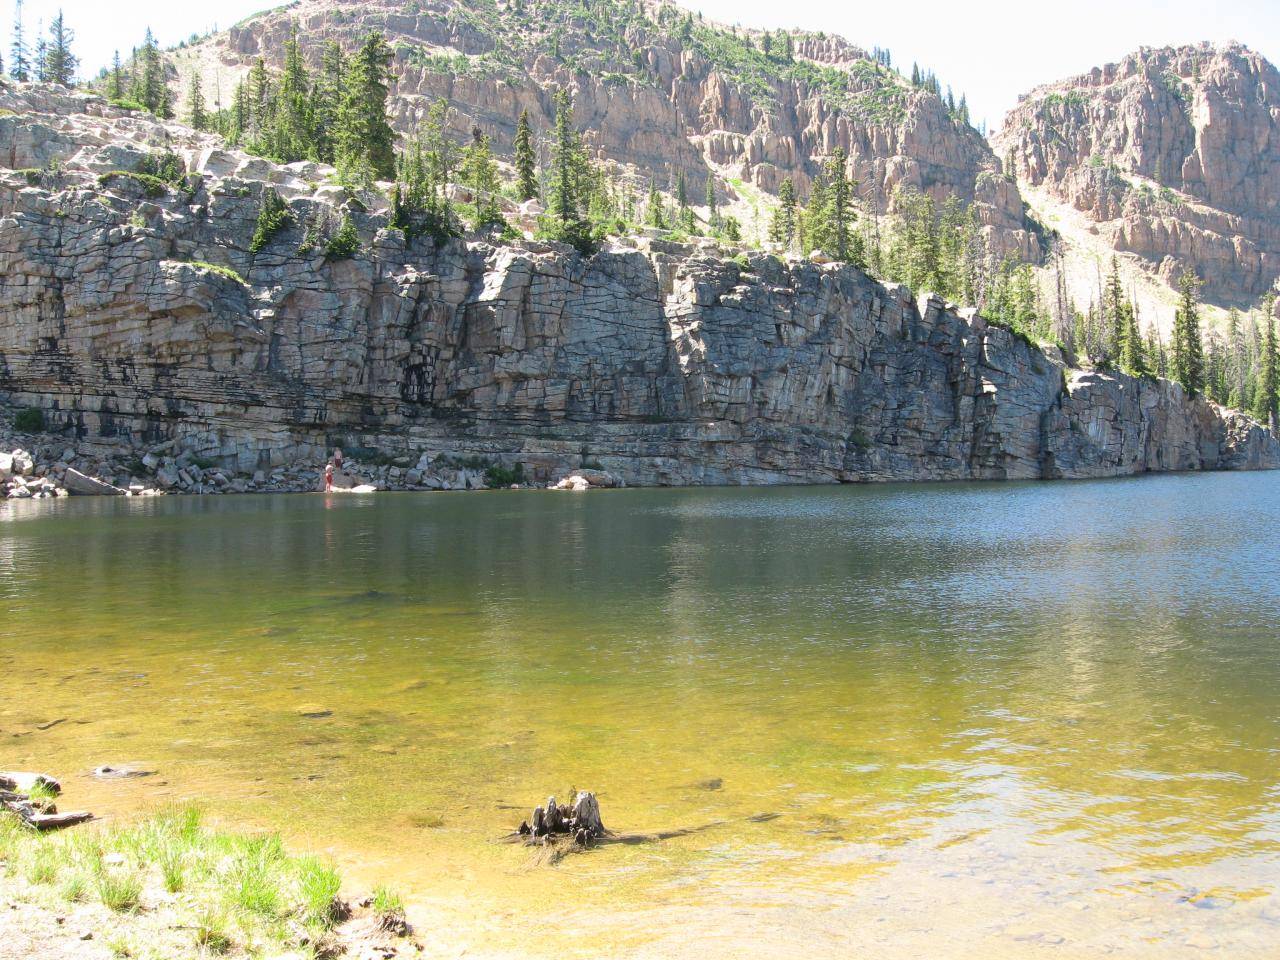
1174, 153
662, 363
654, 93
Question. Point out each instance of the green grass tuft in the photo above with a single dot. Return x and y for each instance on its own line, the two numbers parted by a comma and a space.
386, 900
74, 887
210, 932
41, 866
119, 888
253, 881
318, 889
242, 891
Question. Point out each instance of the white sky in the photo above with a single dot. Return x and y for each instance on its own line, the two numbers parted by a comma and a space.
992, 50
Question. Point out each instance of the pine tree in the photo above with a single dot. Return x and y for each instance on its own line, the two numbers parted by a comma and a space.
292, 136
42, 48
684, 213
525, 160
1237, 369
713, 212
1114, 304
273, 216
1156, 352
830, 219
564, 208
568, 198
782, 229
915, 256
58, 61
149, 89
1188, 350
952, 243
115, 79
421, 202
1133, 355
812, 226
1269, 381
480, 174
365, 144
842, 215
197, 115
326, 102
19, 52
653, 213
253, 110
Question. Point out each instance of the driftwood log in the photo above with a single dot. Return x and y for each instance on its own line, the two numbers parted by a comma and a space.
38, 812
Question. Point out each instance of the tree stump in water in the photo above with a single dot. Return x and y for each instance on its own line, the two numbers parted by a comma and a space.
586, 814
580, 823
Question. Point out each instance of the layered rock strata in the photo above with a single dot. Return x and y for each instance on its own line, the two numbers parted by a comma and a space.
140, 316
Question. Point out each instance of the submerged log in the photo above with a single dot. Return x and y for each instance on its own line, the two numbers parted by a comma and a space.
56, 821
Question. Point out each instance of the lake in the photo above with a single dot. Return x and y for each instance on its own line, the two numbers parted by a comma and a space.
978, 720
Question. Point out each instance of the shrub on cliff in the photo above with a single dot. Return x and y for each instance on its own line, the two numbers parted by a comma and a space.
30, 420
345, 243
221, 271
166, 166
152, 187
273, 216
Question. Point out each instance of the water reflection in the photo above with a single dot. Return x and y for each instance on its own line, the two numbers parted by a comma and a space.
1064, 692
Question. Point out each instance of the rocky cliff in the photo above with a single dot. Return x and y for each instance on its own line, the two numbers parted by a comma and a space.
134, 309
1173, 153
655, 92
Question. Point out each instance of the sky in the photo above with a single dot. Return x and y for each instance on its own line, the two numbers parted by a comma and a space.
991, 51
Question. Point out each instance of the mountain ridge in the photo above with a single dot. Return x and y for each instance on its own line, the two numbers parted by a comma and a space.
661, 91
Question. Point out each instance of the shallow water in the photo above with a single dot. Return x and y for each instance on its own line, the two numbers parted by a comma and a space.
961, 721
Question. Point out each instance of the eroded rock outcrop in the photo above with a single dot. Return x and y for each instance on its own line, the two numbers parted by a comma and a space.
139, 315
1174, 154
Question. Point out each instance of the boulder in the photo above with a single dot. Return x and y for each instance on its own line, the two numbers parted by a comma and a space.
78, 483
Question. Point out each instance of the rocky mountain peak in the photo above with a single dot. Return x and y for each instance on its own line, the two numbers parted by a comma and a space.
1174, 154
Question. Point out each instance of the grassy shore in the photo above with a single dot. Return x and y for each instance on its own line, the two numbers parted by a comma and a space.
168, 886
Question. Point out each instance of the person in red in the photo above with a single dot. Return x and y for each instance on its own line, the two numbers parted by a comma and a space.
328, 477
